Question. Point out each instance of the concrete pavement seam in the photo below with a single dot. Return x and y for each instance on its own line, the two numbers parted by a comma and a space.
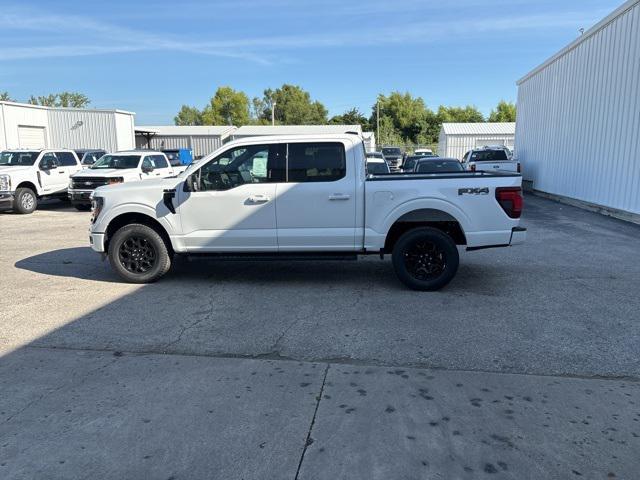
313, 421
333, 361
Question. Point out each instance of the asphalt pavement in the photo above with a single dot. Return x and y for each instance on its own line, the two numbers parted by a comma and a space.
525, 366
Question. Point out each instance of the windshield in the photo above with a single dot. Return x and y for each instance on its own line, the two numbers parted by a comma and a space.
410, 162
440, 166
391, 151
117, 161
377, 167
489, 156
25, 159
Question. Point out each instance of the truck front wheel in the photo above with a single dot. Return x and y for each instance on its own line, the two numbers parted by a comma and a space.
25, 200
425, 258
138, 254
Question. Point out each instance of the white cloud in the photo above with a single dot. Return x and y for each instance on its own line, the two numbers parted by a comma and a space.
99, 37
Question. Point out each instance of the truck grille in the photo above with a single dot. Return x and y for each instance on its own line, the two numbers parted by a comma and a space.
88, 183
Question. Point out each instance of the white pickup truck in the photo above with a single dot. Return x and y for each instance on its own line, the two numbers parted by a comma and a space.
305, 197
117, 167
490, 159
29, 175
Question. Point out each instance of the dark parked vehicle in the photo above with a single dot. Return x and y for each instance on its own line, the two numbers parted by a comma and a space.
89, 156
438, 165
393, 156
410, 162
377, 166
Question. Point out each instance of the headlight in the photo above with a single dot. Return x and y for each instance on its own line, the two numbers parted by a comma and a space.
113, 180
96, 207
5, 182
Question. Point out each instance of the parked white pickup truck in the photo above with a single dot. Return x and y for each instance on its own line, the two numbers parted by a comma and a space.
29, 175
117, 167
309, 197
490, 159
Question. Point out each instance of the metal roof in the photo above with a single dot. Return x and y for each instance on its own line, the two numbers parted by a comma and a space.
628, 5
186, 130
257, 130
73, 109
485, 128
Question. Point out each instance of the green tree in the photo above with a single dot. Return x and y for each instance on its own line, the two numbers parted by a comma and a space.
4, 97
63, 99
409, 117
351, 117
188, 116
293, 106
504, 112
227, 107
468, 114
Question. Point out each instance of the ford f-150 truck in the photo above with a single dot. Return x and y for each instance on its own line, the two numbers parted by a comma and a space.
305, 197
117, 168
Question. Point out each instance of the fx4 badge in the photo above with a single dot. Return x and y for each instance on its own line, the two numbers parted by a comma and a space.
473, 191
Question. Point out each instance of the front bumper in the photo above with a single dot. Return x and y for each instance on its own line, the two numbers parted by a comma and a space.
6, 200
96, 240
80, 196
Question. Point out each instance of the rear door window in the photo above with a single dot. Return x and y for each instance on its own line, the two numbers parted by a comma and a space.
159, 161
66, 159
315, 162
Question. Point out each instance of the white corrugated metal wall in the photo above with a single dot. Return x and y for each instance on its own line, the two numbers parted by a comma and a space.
200, 144
578, 125
455, 146
87, 129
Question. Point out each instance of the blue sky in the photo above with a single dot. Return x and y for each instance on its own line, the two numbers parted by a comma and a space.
151, 57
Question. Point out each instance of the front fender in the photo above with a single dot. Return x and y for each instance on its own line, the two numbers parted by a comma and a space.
160, 213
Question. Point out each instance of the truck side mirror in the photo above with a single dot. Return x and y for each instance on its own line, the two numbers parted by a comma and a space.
146, 168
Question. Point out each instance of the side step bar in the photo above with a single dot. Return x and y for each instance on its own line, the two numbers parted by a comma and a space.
285, 256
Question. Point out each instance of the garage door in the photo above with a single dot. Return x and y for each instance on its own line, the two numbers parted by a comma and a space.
31, 137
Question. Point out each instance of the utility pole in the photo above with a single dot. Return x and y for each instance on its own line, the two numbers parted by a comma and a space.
273, 113
378, 120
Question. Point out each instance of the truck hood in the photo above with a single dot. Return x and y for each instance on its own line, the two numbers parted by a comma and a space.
108, 172
158, 184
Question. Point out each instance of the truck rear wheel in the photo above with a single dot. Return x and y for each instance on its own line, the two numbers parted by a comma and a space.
425, 258
25, 200
139, 254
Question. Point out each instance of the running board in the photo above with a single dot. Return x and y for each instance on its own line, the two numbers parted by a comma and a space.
284, 256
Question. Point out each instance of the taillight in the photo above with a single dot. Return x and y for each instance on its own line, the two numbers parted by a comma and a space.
510, 199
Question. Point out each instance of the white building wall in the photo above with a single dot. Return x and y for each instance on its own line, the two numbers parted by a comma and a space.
66, 127
12, 117
200, 144
578, 126
125, 134
455, 146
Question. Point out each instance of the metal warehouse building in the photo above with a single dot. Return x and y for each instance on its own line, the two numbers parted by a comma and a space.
201, 139
578, 124
31, 126
456, 139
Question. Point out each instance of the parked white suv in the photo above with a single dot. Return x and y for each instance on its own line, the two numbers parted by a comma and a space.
115, 168
29, 175
305, 197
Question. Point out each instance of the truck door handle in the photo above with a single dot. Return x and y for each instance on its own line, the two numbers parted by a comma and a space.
259, 198
339, 196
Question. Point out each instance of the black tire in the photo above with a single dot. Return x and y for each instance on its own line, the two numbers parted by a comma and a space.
25, 200
139, 254
82, 207
425, 258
